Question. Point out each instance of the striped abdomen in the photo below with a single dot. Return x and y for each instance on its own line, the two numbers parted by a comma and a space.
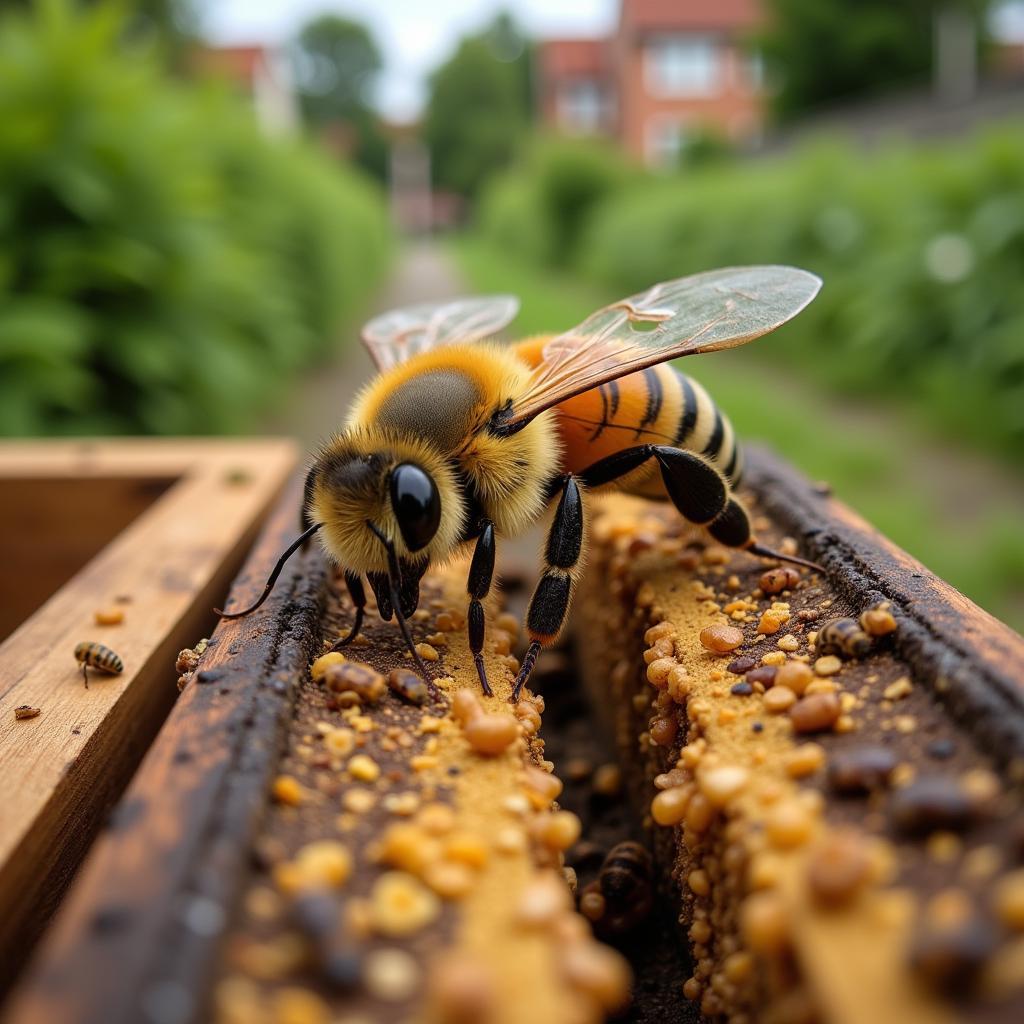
625, 877
658, 405
99, 657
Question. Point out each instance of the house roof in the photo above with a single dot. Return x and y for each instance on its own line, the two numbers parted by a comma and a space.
574, 58
651, 15
240, 63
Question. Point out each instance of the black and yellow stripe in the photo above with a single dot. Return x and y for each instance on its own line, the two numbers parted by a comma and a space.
659, 406
704, 428
98, 656
681, 413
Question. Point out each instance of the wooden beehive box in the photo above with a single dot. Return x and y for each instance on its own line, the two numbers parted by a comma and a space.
170, 909
153, 529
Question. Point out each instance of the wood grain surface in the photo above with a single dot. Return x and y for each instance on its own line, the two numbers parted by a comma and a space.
165, 570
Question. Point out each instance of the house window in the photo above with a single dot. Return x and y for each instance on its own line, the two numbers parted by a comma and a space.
665, 140
582, 107
682, 66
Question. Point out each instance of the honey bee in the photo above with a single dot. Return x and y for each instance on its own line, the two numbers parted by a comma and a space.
623, 894
461, 440
844, 637
90, 654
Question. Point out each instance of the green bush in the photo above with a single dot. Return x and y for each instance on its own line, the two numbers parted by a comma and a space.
921, 251
540, 210
922, 254
163, 266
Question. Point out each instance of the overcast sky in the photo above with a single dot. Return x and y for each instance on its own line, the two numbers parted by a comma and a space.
414, 35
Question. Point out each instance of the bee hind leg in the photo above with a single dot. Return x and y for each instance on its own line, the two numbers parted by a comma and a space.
733, 528
481, 571
550, 602
697, 488
355, 588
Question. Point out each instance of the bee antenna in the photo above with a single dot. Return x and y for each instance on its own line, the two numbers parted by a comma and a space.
289, 551
758, 549
394, 579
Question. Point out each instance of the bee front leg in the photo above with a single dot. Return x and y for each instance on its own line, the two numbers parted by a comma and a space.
550, 601
481, 571
355, 588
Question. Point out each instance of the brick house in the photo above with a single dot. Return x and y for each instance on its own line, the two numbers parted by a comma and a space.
671, 68
263, 75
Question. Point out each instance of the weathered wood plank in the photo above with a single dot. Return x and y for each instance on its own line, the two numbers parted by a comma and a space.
147, 923
974, 662
64, 768
162, 878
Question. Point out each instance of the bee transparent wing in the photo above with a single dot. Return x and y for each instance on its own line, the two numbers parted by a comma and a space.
394, 337
702, 313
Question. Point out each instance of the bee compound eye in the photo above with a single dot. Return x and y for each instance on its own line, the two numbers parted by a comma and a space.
417, 505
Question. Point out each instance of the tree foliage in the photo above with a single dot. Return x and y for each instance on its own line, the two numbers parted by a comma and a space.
479, 107
826, 51
170, 23
164, 266
337, 61
921, 250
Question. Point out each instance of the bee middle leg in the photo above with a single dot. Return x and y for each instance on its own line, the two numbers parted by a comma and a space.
481, 571
550, 601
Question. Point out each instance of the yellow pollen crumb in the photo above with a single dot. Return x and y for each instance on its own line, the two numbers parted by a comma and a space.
323, 663
402, 804
898, 690
401, 905
427, 652
358, 801
287, 790
364, 768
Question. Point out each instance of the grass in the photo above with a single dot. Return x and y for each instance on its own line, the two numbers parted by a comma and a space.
952, 509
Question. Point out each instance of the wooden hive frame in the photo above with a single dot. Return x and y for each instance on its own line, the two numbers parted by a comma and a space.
179, 516
147, 928
142, 934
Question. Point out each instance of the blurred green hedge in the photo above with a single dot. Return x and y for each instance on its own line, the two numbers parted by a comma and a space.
163, 266
921, 251
540, 210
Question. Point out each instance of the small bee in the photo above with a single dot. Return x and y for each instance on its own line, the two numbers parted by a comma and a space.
93, 655
626, 879
623, 894
843, 637
460, 441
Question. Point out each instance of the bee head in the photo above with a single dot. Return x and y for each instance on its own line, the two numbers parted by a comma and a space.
403, 488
